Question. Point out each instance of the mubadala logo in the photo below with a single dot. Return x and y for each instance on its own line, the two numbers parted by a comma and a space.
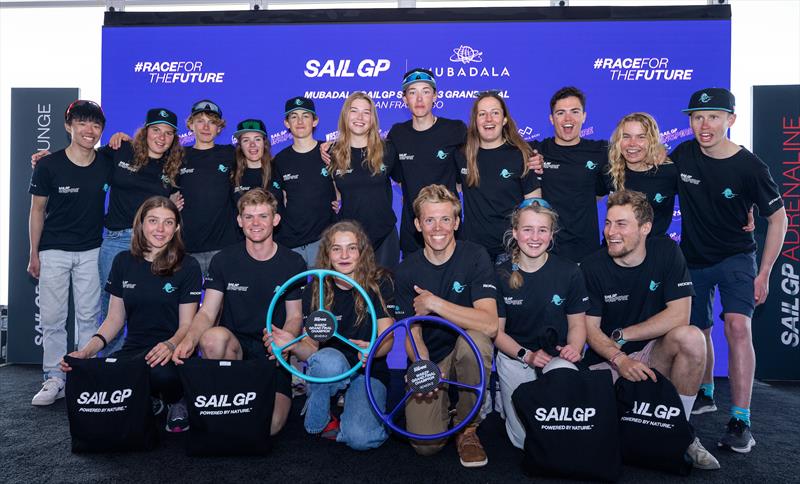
564, 414
234, 286
68, 189
104, 398
224, 400
610, 298
128, 285
465, 54
405, 157
510, 301
686, 178
342, 68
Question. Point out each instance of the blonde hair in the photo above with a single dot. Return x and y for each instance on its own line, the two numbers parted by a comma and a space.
616, 161
340, 154
515, 280
436, 194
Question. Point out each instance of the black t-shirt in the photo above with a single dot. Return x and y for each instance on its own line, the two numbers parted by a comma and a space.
367, 199
73, 219
488, 206
248, 286
131, 187
344, 310
573, 177
252, 178
309, 193
465, 278
715, 198
209, 216
660, 185
151, 301
545, 299
423, 158
624, 296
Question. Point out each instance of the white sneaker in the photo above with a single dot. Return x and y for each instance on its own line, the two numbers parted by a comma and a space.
701, 457
52, 390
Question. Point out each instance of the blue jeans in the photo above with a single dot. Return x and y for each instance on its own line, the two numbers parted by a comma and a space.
360, 427
114, 242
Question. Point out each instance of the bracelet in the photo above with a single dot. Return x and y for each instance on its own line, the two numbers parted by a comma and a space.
169, 345
102, 338
613, 359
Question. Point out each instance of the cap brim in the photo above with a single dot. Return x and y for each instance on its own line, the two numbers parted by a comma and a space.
300, 109
160, 122
706, 108
243, 131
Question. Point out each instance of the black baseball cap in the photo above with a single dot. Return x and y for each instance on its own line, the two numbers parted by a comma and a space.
299, 103
418, 74
206, 106
161, 116
711, 99
250, 126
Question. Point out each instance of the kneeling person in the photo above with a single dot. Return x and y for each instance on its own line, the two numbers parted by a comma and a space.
346, 248
245, 276
640, 297
454, 280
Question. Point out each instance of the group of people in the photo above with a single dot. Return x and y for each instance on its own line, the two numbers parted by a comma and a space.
521, 258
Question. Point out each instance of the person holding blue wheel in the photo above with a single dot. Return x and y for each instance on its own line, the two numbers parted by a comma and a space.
345, 248
241, 281
536, 291
453, 280
494, 173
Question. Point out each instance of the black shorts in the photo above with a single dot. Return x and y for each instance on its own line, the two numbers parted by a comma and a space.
253, 349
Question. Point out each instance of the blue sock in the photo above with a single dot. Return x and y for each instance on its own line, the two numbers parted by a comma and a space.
740, 413
708, 389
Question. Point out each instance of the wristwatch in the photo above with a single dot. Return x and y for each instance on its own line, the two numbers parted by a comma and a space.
521, 354
616, 335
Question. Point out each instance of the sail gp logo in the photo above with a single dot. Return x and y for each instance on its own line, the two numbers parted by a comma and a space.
466, 55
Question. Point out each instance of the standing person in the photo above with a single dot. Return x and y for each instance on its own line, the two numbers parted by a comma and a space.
573, 175
494, 173
155, 286
360, 164
635, 162
308, 190
254, 161
424, 146
454, 280
640, 296
720, 181
205, 194
536, 291
345, 248
208, 211
68, 191
240, 285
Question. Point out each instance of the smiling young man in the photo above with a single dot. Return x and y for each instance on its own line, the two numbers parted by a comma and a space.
640, 296
455, 281
68, 191
424, 145
241, 282
306, 183
719, 182
573, 175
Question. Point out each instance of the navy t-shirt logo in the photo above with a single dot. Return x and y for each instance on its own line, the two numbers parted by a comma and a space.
169, 288
591, 165
458, 287
441, 154
505, 173
658, 198
654, 285
728, 193
557, 300
222, 168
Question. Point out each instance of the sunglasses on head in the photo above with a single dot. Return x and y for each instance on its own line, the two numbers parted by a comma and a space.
535, 201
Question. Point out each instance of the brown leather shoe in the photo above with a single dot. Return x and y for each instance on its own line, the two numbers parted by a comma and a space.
470, 449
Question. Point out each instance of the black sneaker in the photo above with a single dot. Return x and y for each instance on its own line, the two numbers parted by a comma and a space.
177, 417
737, 437
703, 404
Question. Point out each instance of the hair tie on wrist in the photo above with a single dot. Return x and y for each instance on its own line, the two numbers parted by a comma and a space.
169, 345
102, 338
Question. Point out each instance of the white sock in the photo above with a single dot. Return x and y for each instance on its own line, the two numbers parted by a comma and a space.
688, 403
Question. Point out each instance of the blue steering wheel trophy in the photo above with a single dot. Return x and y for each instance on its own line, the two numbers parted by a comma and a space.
321, 324
423, 376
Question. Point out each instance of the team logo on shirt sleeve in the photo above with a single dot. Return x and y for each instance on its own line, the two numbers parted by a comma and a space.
169, 288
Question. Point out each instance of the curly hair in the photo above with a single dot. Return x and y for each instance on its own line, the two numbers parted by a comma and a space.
616, 160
